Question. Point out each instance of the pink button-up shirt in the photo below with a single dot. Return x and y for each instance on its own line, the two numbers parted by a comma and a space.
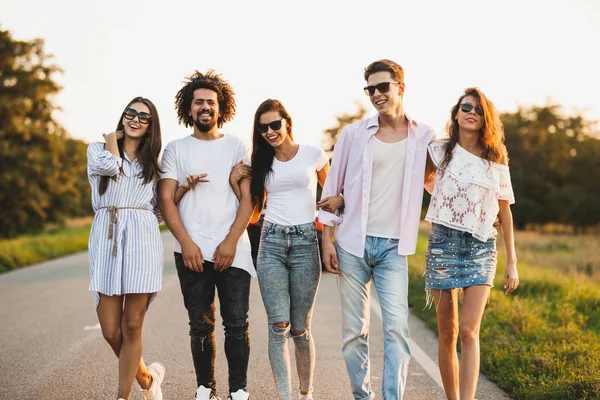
351, 170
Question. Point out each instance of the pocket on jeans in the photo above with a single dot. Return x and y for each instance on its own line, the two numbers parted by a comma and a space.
437, 237
311, 235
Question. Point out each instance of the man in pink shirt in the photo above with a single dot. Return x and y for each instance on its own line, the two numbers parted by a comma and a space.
379, 163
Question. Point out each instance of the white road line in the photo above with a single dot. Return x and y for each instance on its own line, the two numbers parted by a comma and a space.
91, 327
416, 351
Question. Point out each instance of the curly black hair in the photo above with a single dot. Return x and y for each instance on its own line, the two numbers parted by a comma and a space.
210, 80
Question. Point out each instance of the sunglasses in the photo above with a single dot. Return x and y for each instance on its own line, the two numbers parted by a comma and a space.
467, 107
275, 125
143, 117
383, 87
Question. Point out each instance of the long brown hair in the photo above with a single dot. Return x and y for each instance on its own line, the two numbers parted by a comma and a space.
491, 136
148, 148
263, 153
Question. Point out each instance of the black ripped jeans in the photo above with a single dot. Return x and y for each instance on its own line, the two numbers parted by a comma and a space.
233, 288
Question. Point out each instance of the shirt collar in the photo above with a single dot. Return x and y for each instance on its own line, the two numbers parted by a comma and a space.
373, 122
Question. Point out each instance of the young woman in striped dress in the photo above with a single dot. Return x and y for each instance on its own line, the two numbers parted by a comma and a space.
125, 247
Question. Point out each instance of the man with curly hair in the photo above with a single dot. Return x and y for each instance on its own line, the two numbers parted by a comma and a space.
209, 221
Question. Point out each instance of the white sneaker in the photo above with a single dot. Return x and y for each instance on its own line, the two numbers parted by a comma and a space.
241, 394
305, 397
204, 393
154, 392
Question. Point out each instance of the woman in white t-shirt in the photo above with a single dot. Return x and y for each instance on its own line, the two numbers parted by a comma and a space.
472, 187
285, 174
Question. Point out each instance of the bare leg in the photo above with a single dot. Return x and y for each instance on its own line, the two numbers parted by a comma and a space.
446, 308
130, 356
110, 315
474, 300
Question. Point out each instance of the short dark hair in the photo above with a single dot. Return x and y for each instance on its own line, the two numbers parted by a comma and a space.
212, 81
385, 65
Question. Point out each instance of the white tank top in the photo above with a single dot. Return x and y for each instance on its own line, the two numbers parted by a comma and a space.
386, 189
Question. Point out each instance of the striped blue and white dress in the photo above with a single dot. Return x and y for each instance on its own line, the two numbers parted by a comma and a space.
126, 256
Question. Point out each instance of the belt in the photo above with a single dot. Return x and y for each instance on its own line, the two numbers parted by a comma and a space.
114, 222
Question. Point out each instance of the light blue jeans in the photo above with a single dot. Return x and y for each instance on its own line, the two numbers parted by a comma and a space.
389, 271
289, 270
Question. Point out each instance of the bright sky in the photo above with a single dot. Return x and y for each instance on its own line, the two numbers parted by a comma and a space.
311, 55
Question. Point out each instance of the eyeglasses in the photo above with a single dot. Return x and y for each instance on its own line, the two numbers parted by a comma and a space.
383, 87
275, 125
467, 107
143, 117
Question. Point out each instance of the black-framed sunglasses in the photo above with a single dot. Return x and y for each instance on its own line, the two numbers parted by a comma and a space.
383, 87
143, 117
275, 125
467, 107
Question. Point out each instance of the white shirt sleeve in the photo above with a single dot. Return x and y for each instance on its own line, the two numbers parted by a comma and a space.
243, 152
506, 189
169, 163
436, 151
322, 159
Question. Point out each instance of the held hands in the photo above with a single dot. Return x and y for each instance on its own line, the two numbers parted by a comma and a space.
330, 257
240, 171
192, 256
332, 204
511, 277
497, 222
224, 254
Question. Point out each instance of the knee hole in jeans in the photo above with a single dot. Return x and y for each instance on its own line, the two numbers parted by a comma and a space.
299, 333
281, 325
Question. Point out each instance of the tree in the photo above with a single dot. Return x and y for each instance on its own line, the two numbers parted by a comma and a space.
331, 135
41, 168
343, 120
554, 166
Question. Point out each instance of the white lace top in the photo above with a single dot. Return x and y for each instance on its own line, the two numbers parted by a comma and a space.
466, 197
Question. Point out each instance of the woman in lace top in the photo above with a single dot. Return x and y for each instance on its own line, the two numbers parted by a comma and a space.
125, 247
472, 187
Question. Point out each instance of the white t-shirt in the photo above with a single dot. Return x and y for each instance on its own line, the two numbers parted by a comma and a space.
292, 187
208, 210
384, 219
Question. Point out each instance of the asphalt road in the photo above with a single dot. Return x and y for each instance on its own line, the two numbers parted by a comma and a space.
51, 346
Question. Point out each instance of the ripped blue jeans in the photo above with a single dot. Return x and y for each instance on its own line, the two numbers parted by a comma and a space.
289, 270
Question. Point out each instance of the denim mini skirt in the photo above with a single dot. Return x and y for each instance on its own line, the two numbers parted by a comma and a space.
455, 259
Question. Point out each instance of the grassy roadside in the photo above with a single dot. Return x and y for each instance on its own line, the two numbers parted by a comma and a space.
541, 342
52, 243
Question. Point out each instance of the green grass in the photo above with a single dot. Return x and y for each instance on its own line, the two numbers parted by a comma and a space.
52, 243
542, 341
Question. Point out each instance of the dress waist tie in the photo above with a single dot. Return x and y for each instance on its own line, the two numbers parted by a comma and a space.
114, 222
